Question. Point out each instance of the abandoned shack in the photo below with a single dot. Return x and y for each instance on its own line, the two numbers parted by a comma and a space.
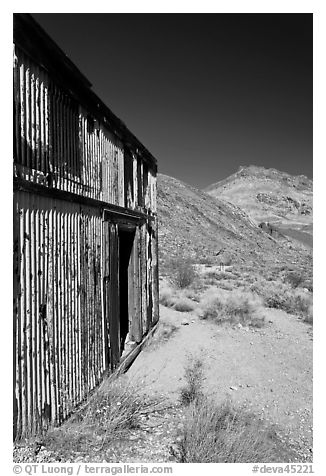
85, 234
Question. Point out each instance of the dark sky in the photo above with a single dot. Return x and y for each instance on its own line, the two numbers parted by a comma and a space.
205, 93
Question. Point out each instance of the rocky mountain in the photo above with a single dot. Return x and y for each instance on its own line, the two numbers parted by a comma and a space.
268, 195
195, 224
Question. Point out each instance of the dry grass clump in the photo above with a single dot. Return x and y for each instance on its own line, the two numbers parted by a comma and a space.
192, 294
182, 271
235, 307
225, 434
294, 279
194, 377
114, 409
216, 276
282, 296
182, 300
167, 295
184, 304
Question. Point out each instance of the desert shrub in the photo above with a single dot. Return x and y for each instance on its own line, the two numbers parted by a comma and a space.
301, 304
226, 434
207, 260
216, 276
194, 377
167, 297
184, 305
282, 296
113, 410
182, 272
226, 260
192, 294
235, 307
308, 317
294, 279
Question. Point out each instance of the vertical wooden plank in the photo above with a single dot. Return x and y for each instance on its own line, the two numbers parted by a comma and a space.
68, 238
155, 272
48, 124
40, 278
17, 108
46, 410
53, 135
51, 330
33, 116
121, 176
17, 380
22, 112
91, 299
143, 280
54, 278
149, 276
29, 317
83, 310
106, 291
37, 121
78, 298
73, 303
28, 114
41, 128
24, 300
136, 321
64, 308
33, 313
61, 142
42, 310
114, 314
58, 287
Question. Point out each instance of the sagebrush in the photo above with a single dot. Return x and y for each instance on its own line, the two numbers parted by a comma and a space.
194, 377
235, 307
115, 408
226, 434
182, 272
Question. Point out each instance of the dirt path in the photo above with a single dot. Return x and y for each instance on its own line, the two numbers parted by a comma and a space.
269, 369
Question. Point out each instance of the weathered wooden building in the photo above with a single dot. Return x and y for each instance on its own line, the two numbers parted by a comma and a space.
85, 234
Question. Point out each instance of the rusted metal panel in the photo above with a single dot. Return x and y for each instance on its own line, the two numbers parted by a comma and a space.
155, 272
143, 285
114, 325
59, 144
58, 339
128, 180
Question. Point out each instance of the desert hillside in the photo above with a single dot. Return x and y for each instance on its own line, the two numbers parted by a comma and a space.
196, 224
269, 195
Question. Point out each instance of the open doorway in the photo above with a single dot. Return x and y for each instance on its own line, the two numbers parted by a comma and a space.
126, 240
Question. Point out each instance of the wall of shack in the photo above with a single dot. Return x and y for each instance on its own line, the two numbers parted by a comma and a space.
74, 178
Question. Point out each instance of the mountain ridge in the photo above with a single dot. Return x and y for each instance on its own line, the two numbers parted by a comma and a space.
195, 224
269, 195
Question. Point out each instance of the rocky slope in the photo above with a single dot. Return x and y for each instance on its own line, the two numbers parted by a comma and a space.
195, 224
269, 195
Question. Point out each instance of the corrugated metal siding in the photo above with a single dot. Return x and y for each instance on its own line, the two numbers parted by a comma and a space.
60, 145
59, 331
66, 255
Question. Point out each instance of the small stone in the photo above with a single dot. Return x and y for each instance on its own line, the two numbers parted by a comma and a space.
184, 322
233, 388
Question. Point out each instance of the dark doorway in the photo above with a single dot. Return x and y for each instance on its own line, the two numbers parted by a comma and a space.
126, 240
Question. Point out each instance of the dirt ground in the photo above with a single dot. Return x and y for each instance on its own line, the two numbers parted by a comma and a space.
269, 370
